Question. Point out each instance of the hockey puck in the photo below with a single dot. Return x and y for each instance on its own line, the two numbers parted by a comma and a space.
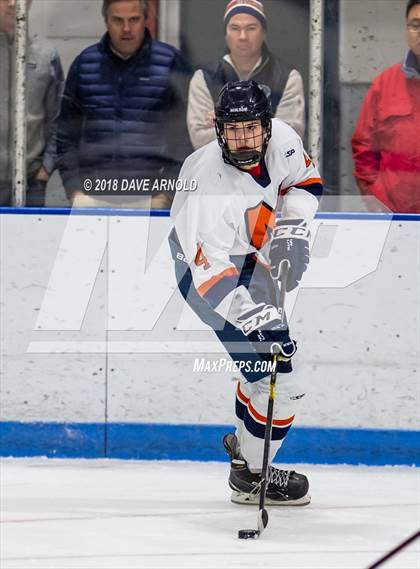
248, 533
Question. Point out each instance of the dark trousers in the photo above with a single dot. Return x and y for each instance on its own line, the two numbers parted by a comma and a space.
35, 193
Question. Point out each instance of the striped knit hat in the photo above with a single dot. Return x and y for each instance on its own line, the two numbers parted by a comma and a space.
251, 7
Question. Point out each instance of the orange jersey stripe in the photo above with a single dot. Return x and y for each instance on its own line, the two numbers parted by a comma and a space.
205, 287
308, 182
241, 396
276, 422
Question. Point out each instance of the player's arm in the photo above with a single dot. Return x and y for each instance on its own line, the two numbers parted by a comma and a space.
261, 323
290, 239
206, 229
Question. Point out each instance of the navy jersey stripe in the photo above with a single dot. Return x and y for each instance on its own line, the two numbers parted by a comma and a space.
258, 430
217, 293
314, 189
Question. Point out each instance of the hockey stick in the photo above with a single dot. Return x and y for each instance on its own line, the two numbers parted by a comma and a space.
262, 518
395, 550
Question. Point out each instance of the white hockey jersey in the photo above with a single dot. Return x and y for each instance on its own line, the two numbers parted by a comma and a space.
232, 213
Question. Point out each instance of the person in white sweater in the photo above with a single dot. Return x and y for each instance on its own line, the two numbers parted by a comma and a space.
248, 58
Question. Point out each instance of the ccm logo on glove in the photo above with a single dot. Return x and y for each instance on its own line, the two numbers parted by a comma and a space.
264, 327
262, 315
290, 244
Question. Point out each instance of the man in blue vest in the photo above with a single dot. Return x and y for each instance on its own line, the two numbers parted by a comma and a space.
122, 132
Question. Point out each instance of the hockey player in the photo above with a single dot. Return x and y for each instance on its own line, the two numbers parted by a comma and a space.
228, 249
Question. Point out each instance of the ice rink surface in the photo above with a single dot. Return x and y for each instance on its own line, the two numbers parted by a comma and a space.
134, 514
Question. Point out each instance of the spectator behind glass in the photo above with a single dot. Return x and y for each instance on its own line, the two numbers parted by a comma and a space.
248, 58
44, 80
122, 121
386, 142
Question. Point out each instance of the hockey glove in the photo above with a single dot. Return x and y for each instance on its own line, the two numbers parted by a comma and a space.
264, 328
290, 242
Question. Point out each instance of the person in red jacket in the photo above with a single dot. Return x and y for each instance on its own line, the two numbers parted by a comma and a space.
386, 141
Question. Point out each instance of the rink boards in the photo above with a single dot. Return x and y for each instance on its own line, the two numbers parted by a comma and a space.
98, 348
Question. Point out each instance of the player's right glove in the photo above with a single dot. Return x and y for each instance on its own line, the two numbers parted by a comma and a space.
290, 243
264, 328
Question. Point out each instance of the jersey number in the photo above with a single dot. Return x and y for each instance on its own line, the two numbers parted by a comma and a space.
259, 223
201, 259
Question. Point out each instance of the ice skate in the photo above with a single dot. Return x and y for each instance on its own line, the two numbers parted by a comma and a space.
285, 487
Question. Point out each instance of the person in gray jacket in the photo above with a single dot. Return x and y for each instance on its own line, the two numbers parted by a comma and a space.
248, 58
44, 81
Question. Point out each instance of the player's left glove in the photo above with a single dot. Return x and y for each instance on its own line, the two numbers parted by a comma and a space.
290, 242
264, 328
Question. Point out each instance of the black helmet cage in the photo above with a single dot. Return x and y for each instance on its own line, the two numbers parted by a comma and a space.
242, 101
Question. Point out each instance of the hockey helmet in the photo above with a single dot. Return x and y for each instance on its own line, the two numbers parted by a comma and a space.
243, 101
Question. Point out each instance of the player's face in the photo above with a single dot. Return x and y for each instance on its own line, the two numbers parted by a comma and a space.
126, 25
244, 136
413, 30
244, 36
8, 16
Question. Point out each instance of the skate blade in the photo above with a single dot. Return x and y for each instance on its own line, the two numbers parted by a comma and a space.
254, 500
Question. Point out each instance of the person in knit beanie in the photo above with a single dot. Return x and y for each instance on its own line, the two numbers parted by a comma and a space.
248, 57
251, 7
